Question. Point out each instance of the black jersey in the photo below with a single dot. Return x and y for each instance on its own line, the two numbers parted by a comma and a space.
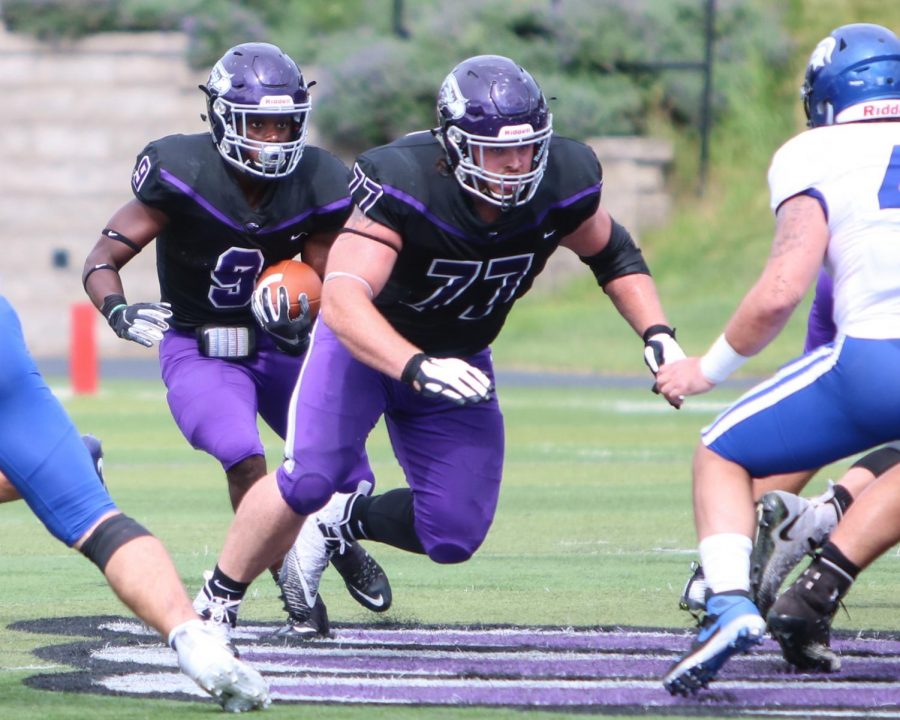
215, 244
457, 277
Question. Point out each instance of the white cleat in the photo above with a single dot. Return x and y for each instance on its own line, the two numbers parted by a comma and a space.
301, 571
789, 527
205, 658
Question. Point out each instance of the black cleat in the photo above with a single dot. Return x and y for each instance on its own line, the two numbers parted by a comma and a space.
801, 623
365, 579
314, 627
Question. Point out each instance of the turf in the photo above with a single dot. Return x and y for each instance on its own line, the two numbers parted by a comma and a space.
594, 528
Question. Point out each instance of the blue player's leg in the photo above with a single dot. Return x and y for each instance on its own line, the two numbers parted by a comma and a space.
45, 459
795, 420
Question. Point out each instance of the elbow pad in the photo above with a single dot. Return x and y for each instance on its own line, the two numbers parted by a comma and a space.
621, 256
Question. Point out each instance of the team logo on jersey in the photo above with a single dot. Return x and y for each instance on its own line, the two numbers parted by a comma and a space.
821, 56
219, 79
141, 171
451, 100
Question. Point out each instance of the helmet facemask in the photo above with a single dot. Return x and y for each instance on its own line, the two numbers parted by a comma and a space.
257, 79
505, 191
257, 157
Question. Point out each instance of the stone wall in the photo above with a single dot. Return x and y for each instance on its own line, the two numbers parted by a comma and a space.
77, 114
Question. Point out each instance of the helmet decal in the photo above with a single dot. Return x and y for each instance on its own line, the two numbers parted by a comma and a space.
451, 99
219, 79
821, 56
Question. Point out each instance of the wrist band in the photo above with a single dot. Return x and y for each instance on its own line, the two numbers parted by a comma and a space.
720, 360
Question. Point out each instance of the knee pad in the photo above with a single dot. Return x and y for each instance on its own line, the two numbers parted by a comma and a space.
109, 536
879, 461
306, 493
448, 553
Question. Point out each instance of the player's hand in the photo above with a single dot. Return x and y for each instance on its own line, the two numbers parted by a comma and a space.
449, 378
680, 378
661, 347
143, 323
273, 316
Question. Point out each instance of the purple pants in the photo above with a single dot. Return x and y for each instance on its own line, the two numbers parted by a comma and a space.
452, 456
215, 402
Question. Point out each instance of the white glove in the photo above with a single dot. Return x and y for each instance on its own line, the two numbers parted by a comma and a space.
449, 378
661, 347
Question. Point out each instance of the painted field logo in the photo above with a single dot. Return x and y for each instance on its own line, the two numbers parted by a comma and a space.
599, 670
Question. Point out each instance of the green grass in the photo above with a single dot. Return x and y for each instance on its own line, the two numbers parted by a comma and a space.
594, 528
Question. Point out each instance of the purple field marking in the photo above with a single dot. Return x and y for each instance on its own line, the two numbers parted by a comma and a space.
607, 669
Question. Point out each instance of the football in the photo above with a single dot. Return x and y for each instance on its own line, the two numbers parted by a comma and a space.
297, 277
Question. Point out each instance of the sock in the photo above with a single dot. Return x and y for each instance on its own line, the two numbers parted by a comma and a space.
725, 558
222, 586
833, 555
842, 498
387, 518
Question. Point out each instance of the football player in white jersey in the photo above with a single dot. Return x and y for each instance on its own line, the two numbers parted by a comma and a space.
835, 190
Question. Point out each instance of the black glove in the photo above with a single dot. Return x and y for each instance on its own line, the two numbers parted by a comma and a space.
291, 336
449, 378
143, 323
660, 347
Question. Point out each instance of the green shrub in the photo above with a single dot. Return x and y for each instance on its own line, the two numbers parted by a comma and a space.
376, 86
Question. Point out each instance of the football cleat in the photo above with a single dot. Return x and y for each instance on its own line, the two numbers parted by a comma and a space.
95, 448
301, 571
732, 625
365, 579
315, 627
696, 592
218, 610
788, 528
205, 658
800, 620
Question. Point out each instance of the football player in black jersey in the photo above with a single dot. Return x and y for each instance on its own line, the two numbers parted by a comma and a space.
223, 206
450, 228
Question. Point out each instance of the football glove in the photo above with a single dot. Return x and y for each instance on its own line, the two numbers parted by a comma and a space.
660, 347
291, 336
143, 323
449, 378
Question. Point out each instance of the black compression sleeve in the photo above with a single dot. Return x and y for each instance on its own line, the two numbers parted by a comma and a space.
621, 256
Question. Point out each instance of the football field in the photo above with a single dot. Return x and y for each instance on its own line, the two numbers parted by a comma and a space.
569, 608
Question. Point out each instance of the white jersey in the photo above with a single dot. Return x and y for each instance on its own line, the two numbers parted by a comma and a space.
854, 171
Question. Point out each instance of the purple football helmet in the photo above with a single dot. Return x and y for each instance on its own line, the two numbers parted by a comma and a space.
853, 75
489, 102
257, 79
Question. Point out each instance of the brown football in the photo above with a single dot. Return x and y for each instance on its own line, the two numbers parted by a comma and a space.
297, 277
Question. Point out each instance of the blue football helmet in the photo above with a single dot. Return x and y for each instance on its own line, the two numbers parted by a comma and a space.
853, 75
257, 79
488, 101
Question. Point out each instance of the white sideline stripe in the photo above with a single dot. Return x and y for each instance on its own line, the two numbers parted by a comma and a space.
251, 631
164, 657
857, 713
